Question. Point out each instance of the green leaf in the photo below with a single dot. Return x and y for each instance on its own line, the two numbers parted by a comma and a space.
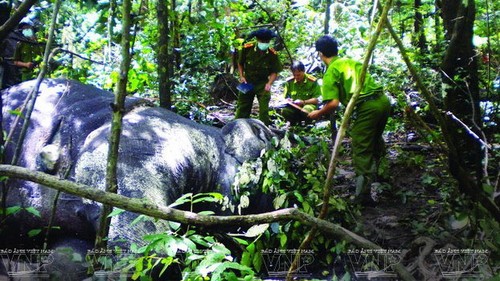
136, 275
16, 112
182, 200
13, 210
188, 244
206, 213
194, 257
251, 248
174, 225
200, 240
220, 248
246, 258
34, 232
166, 262
241, 241
115, 212
170, 246
279, 201
299, 196
33, 211
205, 199
221, 268
257, 262
139, 219
283, 239
257, 230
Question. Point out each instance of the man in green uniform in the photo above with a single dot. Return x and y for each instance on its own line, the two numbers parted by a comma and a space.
258, 65
19, 53
28, 51
369, 117
303, 91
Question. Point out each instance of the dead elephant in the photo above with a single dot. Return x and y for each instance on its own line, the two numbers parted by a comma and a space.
161, 157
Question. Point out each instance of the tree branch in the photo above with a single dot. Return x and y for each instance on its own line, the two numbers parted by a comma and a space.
145, 207
116, 124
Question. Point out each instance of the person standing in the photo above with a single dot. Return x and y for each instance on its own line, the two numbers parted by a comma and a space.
303, 91
19, 53
258, 66
368, 119
29, 51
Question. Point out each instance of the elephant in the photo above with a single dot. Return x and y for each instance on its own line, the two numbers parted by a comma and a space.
162, 156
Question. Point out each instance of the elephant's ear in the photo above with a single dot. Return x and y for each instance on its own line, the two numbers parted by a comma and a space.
245, 138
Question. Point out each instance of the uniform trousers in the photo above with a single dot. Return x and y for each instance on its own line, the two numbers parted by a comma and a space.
245, 102
368, 148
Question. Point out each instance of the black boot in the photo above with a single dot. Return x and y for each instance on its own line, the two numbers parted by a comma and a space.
363, 192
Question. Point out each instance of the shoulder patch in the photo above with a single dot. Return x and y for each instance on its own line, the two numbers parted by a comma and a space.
248, 45
311, 78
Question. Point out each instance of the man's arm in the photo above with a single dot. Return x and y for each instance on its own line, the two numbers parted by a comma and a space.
301, 103
242, 76
272, 77
329, 107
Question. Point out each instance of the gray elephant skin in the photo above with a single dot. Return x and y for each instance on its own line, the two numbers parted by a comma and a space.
162, 156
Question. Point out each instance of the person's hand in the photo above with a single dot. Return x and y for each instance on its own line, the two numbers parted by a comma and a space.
300, 103
28, 65
267, 87
315, 114
243, 79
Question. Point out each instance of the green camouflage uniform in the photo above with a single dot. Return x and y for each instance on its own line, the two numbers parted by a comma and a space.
28, 52
16, 47
257, 66
307, 89
369, 117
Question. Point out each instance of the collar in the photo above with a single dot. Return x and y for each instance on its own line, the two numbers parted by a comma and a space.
303, 81
332, 60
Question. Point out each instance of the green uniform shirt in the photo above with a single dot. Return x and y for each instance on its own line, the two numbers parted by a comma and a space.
307, 89
341, 79
28, 52
258, 65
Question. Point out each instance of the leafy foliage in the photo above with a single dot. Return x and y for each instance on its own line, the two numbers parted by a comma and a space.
201, 257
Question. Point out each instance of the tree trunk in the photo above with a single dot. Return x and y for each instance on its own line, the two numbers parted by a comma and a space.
460, 81
111, 20
163, 52
438, 34
326, 29
118, 108
175, 55
419, 35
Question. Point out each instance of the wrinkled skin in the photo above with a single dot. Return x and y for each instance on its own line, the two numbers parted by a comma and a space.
162, 156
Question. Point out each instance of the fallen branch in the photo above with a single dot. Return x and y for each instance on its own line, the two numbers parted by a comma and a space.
471, 133
148, 208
